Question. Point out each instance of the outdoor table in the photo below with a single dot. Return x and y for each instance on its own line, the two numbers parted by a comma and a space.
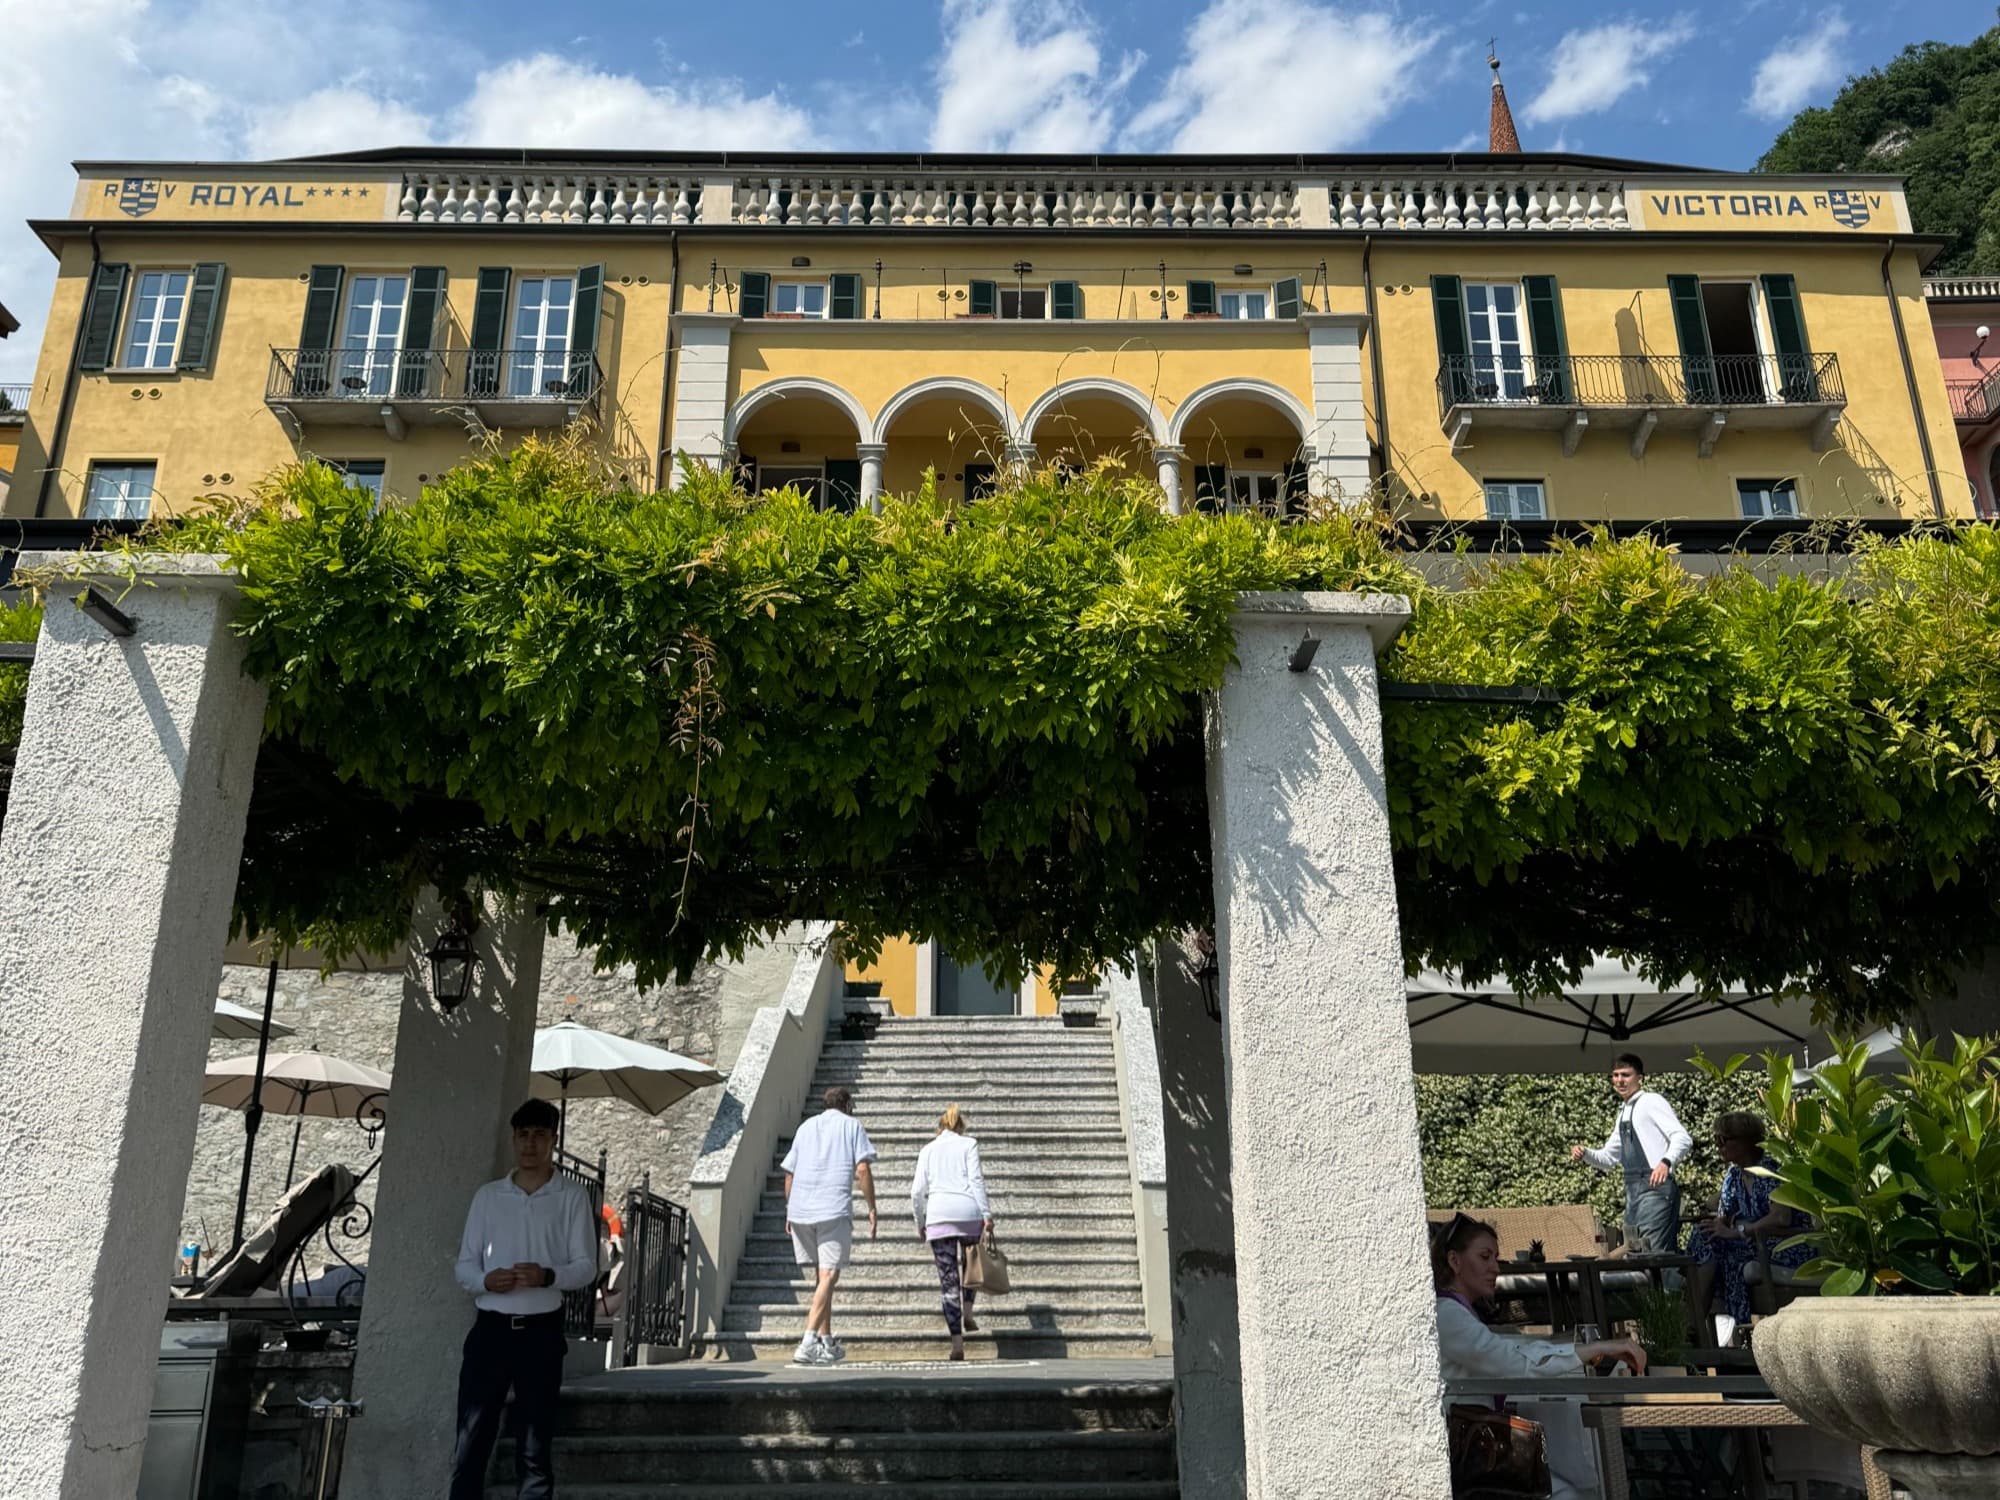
1590, 1271
1613, 1405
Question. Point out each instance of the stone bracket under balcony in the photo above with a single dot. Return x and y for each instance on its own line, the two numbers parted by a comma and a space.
481, 390
1640, 395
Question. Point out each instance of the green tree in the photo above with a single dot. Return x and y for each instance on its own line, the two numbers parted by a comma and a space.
1932, 116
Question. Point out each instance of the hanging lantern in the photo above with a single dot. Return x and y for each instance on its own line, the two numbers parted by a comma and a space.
452, 965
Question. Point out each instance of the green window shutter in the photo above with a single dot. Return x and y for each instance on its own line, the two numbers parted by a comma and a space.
1290, 298
1201, 299
982, 299
843, 482
1211, 488
322, 307
585, 319
102, 309
1545, 330
1454, 349
489, 331
204, 313
846, 299
753, 294
1065, 299
427, 297
1697, 365
1788, 333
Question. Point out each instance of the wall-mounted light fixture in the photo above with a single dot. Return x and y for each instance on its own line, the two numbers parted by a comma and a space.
1984, 334
453, 963
802, 260
1243, 270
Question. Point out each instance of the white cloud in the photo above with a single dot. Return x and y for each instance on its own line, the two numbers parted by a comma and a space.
1024, 75
1282, 75
1593, 69
546, 100
1798, 69
341, 118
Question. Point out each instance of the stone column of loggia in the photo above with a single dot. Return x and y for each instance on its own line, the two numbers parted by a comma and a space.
1337, 1318
871, 456
458, 1077
118, 859
1168, 460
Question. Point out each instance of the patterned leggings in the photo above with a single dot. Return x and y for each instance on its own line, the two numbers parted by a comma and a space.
949, 1254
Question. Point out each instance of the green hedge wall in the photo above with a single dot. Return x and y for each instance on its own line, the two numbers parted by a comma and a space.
1502, 1141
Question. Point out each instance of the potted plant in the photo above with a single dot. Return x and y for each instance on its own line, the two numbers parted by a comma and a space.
1662, 1330
1900, 1175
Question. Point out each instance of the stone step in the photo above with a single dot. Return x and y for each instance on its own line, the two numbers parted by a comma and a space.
1014, 1227
868, 1459
1111, 1175
1052, 1139
808, 1402
913, 1295
1159, 1489
995, 1050
1104, 1268
997, 1315
926, 1340
996, 1119
1008, 1206
972, 1091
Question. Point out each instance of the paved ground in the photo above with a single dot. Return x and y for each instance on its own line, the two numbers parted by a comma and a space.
771, 1376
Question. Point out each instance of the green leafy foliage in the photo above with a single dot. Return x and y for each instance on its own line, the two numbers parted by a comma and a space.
1932, 116
690, 717
20, 621
1900, 1174
1502, 1141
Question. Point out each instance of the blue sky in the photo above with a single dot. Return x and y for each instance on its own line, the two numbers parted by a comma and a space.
1707, 83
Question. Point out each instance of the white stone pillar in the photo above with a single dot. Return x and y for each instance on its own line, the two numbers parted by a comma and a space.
1339, 1334
118, 865
701, 391
871, 456
1168, 459
457, 1079
1020, 457
1339, 437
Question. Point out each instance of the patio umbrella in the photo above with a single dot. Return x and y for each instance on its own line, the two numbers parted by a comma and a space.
233, 1023
298, 1084
1491, 1028
572, 1061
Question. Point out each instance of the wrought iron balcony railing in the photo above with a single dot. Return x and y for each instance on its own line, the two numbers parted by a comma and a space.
1640, 380
395, 376
1974, 400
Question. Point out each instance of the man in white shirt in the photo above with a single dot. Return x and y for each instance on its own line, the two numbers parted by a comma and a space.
829, 1152
529, 1237
1647, 1143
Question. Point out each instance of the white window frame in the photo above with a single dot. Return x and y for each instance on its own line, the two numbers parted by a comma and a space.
778, 288
1503, 376
1003, 290
1511, 492
1256, 477
125, 495
376, 361
1769, 487
1268, 293
344, 468
538, 369
153, 363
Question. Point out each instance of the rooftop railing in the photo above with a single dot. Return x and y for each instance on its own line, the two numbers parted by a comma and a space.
1963, 288
1640, 380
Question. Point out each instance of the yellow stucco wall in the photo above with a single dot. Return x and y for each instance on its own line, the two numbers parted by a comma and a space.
213, 431
895, 969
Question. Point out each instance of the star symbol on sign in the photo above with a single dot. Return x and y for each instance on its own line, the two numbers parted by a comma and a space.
311, 191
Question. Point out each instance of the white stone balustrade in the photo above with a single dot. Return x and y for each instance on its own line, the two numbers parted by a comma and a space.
1479, 203
549, 198
1018, 203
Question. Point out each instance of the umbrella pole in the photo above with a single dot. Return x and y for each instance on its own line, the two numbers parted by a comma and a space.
562, 1123
254, 1115
292, 1164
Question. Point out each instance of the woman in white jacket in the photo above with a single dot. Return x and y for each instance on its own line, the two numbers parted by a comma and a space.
948, 1197
1465, 1264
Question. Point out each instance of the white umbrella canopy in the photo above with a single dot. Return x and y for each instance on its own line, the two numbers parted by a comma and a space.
233, 1023
1490, 1028
298, 1083
574, 1062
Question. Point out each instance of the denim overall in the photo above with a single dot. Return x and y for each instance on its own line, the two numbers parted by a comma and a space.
1652, 1214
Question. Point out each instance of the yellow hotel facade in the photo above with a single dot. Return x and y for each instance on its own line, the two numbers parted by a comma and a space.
1527, 338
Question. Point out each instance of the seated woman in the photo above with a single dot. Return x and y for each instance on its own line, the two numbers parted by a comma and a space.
1465, 1265
1722, 1245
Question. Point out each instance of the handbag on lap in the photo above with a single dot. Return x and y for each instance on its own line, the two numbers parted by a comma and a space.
986, 1267
1495, 1455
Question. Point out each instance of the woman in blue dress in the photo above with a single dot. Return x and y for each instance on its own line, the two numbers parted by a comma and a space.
1723, 1244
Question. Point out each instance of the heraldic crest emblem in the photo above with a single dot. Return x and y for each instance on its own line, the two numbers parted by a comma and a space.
1850, 210
139, 196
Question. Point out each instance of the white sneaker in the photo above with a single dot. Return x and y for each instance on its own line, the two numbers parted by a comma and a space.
836, 1350
812, 1350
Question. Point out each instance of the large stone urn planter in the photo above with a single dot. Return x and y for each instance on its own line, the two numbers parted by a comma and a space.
1916, 1377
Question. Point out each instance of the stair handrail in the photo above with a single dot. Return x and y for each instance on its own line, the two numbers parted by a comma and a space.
759, 1106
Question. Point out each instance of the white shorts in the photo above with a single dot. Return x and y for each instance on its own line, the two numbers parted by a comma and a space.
827, 1244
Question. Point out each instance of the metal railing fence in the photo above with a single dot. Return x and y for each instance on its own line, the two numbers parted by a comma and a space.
391, 375
1639, 380
656, 1272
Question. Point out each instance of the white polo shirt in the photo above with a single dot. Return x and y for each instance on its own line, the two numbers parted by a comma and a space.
824, 1154
551, 1227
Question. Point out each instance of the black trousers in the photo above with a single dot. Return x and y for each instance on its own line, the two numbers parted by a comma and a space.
502, 1353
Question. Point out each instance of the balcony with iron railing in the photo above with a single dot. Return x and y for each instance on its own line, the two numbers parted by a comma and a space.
1974, 401
496, 388
1641, 393
14, 402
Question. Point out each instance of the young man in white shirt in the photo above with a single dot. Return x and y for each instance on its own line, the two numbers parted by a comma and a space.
1647, 1142
529, 1237
829, 1152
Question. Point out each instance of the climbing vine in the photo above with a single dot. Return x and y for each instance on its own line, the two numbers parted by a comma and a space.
690, 717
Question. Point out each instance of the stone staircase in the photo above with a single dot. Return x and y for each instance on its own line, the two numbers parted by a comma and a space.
1042, 1099
706, 1432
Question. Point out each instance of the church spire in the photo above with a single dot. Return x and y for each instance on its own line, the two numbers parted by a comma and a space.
1501, 138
